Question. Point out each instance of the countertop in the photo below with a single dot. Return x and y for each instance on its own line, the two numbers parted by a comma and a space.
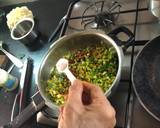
47, 14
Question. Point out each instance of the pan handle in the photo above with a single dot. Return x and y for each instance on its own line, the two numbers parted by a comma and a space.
35, 106
124, 44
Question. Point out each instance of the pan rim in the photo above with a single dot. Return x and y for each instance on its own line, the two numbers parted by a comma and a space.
108, 38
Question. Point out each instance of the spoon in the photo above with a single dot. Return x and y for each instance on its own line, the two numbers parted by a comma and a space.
14, 60
62, 67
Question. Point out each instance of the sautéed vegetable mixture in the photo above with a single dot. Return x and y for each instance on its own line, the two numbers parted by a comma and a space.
97, 65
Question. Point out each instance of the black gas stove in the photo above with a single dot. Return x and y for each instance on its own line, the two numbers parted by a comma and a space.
103, 16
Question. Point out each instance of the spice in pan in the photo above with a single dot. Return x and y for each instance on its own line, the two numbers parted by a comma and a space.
97, 65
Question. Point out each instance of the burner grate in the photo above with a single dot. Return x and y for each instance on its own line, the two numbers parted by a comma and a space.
103, 17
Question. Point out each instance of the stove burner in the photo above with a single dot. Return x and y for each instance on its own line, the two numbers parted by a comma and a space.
102, 18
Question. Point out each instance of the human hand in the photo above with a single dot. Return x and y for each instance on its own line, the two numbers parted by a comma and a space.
86, 107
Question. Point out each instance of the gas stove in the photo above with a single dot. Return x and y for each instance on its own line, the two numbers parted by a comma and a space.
104, 16
91, 15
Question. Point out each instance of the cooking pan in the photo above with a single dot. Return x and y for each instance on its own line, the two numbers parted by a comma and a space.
146, 77
58, 50
75, 41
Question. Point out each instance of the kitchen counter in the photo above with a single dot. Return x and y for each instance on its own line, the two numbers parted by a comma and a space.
47, 15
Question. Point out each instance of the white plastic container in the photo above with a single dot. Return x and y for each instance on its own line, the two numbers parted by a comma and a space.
8, 81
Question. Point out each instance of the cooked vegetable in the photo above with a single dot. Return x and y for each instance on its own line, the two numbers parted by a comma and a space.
97, 65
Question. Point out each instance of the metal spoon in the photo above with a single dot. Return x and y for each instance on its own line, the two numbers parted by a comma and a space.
14, 60
62, 67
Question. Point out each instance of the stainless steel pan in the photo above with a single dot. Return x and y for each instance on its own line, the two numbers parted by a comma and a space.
76, 41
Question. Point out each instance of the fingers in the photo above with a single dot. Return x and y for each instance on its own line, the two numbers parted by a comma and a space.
75, 93
95, 91
83, 93
73, 107
60, 113
75, 111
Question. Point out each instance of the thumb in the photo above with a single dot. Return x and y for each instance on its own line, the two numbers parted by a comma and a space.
75, 93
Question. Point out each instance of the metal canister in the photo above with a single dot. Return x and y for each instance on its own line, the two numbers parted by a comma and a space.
154, 6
